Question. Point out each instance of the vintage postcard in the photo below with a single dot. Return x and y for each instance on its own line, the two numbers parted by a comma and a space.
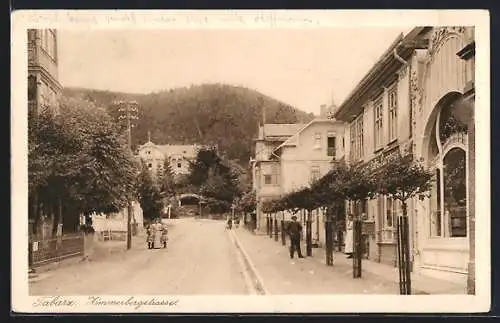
250, 161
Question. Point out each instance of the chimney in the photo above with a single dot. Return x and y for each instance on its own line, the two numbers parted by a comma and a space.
323, 111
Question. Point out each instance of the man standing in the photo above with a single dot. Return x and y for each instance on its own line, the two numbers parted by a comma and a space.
294, 231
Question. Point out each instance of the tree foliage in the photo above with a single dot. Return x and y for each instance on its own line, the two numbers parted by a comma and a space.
80, 158
215, 179
149, 196
403, 178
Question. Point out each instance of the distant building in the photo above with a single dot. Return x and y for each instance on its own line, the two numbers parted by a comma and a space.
179, 157
266, 171
306, 157
43, 84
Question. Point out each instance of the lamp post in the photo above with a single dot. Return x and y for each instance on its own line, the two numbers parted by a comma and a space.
128, 111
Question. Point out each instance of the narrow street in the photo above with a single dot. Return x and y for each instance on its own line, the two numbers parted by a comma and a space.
201, 259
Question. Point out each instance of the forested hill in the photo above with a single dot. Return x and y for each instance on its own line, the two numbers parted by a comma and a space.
207, 114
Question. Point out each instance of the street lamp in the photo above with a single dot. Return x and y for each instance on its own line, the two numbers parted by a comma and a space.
128, 111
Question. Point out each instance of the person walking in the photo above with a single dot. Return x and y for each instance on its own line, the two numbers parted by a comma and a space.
294, 231
349, 237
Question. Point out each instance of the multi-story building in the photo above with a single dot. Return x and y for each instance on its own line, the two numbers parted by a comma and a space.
307, 156
408, 101
266, 171
43, 84
179, 157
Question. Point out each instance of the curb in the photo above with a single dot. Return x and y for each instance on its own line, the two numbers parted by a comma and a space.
257, 280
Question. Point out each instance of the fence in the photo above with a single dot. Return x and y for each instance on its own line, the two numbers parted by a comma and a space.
47, 250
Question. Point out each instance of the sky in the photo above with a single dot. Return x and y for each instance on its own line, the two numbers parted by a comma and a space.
301, 67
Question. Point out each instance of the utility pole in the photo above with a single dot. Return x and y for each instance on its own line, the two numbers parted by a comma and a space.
128, 110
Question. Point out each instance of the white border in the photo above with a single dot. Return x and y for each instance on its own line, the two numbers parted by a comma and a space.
155, 19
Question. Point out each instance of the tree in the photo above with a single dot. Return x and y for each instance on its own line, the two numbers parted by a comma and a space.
77, 160
402, 178
215, 179
149, 196
168, 183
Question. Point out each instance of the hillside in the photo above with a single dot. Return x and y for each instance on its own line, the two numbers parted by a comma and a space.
208, 114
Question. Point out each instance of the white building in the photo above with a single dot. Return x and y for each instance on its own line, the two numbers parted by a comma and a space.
307, 156
179, 157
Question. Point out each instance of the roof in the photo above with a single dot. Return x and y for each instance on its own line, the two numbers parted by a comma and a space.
281, 129
318, 120
387, 63
188, 151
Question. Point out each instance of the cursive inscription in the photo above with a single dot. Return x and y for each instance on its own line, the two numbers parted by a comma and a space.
53, 301
131, 301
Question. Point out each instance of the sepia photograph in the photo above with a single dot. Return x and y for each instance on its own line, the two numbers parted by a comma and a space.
248, 156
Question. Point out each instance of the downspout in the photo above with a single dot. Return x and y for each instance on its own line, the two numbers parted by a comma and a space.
414, 229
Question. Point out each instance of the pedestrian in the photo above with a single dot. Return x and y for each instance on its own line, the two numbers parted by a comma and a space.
229, 223
349, 237
295, 231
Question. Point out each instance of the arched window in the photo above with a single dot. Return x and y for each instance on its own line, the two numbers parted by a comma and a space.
447, 149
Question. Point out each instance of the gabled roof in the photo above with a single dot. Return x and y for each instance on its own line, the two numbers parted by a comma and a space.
187, 151
281, 130
318, 120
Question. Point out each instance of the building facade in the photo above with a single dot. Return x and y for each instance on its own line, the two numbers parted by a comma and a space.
407, 103
179, 158
306, 157
43, 61
266, 170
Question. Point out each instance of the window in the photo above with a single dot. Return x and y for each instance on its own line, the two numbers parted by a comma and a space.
331, 146
393, 116
272, 175
148, 152
179, 165
356, 132
315, 173
150, 165
48, 42
379, 124
448, 214
317, 140
388, 210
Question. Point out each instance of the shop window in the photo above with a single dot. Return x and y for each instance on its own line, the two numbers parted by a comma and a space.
455, 193
448, 216
435, 221
387, 209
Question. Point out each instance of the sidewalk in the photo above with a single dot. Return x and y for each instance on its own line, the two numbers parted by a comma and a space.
377, 278
282, 275
102, 251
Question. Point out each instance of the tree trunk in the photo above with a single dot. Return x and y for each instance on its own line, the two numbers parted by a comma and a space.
309, 234
406, 249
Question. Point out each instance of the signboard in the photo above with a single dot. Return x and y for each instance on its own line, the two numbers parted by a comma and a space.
368, 227
35, 246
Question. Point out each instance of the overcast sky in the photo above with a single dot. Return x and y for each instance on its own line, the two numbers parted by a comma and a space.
301, 67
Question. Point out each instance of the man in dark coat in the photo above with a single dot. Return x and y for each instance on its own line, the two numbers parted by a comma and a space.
294, 231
